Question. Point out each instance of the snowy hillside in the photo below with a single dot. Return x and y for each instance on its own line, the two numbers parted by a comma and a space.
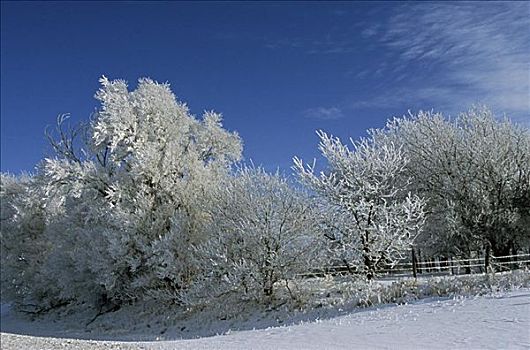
499, 321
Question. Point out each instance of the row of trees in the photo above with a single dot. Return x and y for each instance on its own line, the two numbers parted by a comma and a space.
474, 173
147, 201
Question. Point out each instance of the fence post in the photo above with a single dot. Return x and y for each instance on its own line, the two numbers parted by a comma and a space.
487, 257
514, 258
414, 263
467, 267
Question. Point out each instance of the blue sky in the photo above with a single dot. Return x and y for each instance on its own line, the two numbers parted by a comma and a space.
277, 71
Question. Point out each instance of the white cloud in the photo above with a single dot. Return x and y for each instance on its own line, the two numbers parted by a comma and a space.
477, 52
324, 113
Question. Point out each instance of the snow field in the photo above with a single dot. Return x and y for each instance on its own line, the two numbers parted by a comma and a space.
496, 321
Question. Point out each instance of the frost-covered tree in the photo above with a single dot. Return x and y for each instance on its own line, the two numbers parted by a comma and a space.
23, 244
474, 172
366, 184
265, 233
135, 196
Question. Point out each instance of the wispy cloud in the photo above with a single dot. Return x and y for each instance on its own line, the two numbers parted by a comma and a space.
370, 31
475, 52
324, 113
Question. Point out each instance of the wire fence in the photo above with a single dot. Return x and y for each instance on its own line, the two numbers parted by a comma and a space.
436, 266
460, 266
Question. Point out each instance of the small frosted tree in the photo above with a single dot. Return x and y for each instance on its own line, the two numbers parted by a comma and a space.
366, 185
265, 232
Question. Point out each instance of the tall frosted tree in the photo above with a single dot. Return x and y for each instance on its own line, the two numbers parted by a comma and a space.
365, 183
134, 196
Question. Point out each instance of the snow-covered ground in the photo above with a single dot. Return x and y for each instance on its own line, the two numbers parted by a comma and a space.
499, 321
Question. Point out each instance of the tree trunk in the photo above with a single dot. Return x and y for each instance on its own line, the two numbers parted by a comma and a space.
414, 263
369, 266
419, 259
268, 282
